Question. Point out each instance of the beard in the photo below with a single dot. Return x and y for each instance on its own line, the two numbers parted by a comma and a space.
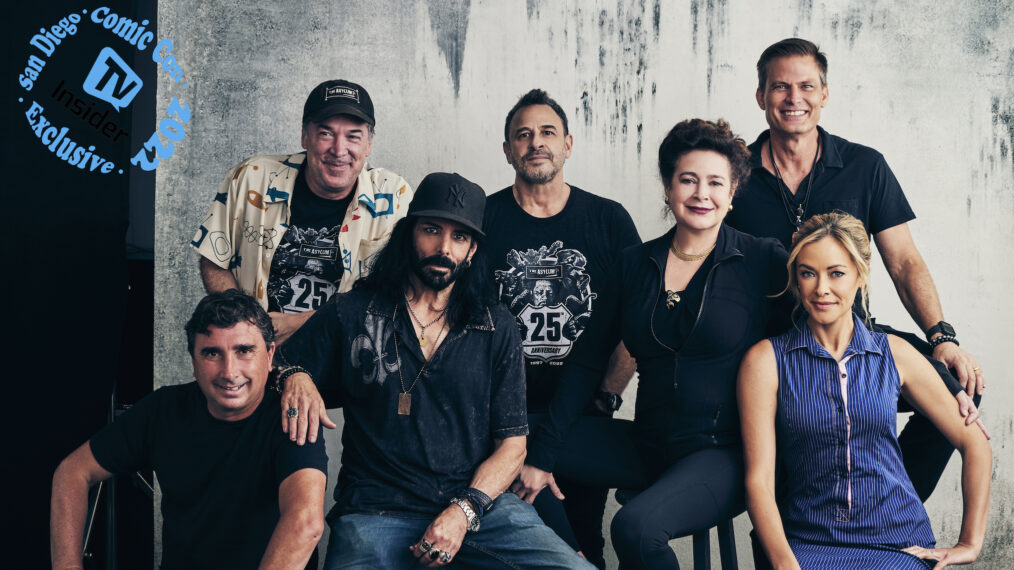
433, 279
537, 175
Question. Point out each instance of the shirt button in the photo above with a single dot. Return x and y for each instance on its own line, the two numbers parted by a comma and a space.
843, 375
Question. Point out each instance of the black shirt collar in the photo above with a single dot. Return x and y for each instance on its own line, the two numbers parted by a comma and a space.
830, 156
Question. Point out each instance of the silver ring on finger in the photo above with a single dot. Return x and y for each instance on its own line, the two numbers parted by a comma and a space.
425, 545
445, 557
434, 554
292, 412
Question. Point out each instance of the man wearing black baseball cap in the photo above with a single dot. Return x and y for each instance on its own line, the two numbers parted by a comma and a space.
429, 370
293, 230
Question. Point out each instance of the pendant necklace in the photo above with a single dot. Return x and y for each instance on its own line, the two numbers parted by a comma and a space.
801, 208
405, 396
671, 298
422, 327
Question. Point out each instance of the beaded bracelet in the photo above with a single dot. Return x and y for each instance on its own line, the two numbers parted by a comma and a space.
944, 338
280, 379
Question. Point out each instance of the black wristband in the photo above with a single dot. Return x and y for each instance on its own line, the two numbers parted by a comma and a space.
483, 504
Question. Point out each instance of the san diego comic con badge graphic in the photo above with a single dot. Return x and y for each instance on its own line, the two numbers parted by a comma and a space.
99, 97
549, 291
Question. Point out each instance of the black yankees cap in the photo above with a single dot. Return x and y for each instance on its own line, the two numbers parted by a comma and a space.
338, 97
450, 197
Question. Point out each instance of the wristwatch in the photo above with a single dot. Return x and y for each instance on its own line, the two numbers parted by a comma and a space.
473, 519
943, 327
612, 400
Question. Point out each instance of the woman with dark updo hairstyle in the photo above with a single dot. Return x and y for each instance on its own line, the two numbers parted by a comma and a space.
693, 301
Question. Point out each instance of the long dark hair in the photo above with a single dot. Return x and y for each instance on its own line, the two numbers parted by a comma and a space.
390, 270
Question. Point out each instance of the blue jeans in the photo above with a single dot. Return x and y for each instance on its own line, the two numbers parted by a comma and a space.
511, 536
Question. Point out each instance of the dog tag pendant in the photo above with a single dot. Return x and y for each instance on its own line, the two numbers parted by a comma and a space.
404, 404
422, 341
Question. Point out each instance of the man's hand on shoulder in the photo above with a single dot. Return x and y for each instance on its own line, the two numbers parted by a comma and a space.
303, 409
532, 481
969, 372
967, 409
287, 323
444, 536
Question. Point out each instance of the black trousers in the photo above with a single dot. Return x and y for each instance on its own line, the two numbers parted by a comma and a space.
924, 449
675, 500
578, 519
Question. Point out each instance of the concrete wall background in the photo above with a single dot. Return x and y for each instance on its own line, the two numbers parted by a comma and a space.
929, 84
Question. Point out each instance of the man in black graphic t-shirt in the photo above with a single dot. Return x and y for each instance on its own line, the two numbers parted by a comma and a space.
554, 251
306, 269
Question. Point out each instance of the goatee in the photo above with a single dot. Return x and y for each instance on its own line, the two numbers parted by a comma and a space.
435, 280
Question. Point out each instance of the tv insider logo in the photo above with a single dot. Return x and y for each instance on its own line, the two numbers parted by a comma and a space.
99, 97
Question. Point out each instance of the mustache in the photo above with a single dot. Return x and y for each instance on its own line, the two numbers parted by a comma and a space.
438, 260
542, 153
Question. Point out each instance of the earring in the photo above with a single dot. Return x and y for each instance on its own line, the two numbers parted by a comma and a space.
730, 207
666, 198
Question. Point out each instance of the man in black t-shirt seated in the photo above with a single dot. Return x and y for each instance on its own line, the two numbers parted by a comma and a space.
235, 491
429, 372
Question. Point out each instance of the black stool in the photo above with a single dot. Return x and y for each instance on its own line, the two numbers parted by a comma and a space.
702, 539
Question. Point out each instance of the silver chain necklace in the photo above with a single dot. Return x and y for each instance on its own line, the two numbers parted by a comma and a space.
422, 327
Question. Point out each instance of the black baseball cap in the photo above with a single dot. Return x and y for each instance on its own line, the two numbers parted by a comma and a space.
338, 97
450, 197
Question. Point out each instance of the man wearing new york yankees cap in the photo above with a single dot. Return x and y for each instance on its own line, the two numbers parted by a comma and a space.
293, 230
428, 369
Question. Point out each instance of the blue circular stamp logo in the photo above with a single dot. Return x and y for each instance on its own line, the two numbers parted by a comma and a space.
89, 107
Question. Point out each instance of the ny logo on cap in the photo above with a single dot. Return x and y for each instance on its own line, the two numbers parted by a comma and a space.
341, 91
456, 196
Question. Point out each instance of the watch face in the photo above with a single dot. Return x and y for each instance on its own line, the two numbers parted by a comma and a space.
612, 401
946, 328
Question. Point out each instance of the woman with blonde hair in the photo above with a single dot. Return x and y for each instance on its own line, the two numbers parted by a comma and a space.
823, 399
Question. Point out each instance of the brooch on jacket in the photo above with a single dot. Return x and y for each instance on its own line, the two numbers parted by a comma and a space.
671, 298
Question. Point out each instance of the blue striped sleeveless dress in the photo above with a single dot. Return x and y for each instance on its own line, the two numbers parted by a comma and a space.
847, 501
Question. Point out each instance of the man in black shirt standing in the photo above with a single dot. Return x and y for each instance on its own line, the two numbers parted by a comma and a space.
235, 492
800, 170
554, 251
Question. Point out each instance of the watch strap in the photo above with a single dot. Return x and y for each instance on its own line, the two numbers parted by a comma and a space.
473, 519
942, 327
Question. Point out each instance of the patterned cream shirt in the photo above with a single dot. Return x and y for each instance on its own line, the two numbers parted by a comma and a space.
250, 213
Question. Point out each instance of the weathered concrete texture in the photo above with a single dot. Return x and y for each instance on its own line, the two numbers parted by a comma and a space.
929, 84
